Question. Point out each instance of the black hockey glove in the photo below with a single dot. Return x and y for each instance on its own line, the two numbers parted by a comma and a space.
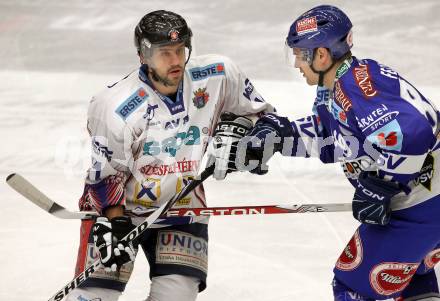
107, 235
371, 201
265, 139
222, 150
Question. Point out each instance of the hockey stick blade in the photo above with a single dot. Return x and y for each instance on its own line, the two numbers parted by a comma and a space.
136, 232
30, 192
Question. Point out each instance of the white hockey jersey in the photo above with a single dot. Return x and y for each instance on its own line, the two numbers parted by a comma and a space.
146, 147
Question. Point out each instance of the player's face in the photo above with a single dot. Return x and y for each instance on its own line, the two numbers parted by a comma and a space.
302, 62
169, 62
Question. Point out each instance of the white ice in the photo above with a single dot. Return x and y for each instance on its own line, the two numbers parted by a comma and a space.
55, 55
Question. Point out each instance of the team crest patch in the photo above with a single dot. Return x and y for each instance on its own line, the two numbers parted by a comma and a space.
389, 278
352, 255
200, 98
174, 35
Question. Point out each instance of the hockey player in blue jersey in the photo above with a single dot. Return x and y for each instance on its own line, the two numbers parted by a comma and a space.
385, 134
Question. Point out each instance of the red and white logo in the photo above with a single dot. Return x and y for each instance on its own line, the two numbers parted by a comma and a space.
343, 116
341, 98
174, 35
363, 79
391, 277
306, 25
164, 169
389, 140
352, 255
432, 259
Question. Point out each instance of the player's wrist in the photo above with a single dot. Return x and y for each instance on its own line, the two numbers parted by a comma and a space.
113, 211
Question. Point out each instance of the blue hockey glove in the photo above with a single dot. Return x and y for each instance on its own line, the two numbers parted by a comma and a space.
265, 139
371, 201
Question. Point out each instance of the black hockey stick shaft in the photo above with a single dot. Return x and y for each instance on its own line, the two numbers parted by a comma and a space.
136, 232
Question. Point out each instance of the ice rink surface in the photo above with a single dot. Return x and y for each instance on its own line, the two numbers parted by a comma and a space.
56, 54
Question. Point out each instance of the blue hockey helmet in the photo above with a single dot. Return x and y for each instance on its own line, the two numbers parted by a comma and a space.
323, 26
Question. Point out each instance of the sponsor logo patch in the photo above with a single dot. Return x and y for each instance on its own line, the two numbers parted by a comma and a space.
352, 169
352, 255
123, 275
341, 98
171, 145
306, 25
200, 73
164, 169
180, 248
132, 103
391, 277
388, 137
432, 259
147, 192
343, 68
426, 173
363, 80
338, 113
376, 119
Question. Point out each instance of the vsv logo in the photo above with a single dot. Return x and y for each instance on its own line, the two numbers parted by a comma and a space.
426, 173
172, 144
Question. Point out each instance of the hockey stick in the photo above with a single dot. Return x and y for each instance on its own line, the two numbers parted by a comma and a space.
33, 194
29, 191
42, 201
259, 209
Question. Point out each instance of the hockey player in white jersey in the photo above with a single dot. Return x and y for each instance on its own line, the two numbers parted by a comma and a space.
149, 132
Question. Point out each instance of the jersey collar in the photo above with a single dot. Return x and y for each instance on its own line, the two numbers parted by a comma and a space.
174, 107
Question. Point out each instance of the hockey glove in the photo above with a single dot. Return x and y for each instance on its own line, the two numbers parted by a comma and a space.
222, 149
372, 197
265, 139
107, 235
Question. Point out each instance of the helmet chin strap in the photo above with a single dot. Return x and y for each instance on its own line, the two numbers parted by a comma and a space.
321, 74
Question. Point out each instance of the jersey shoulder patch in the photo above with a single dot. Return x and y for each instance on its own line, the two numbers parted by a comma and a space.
133, 102
200, 73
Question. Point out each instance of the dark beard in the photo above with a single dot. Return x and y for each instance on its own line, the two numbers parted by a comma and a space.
163, 80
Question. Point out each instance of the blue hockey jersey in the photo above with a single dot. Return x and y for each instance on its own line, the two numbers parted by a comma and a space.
375, 120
